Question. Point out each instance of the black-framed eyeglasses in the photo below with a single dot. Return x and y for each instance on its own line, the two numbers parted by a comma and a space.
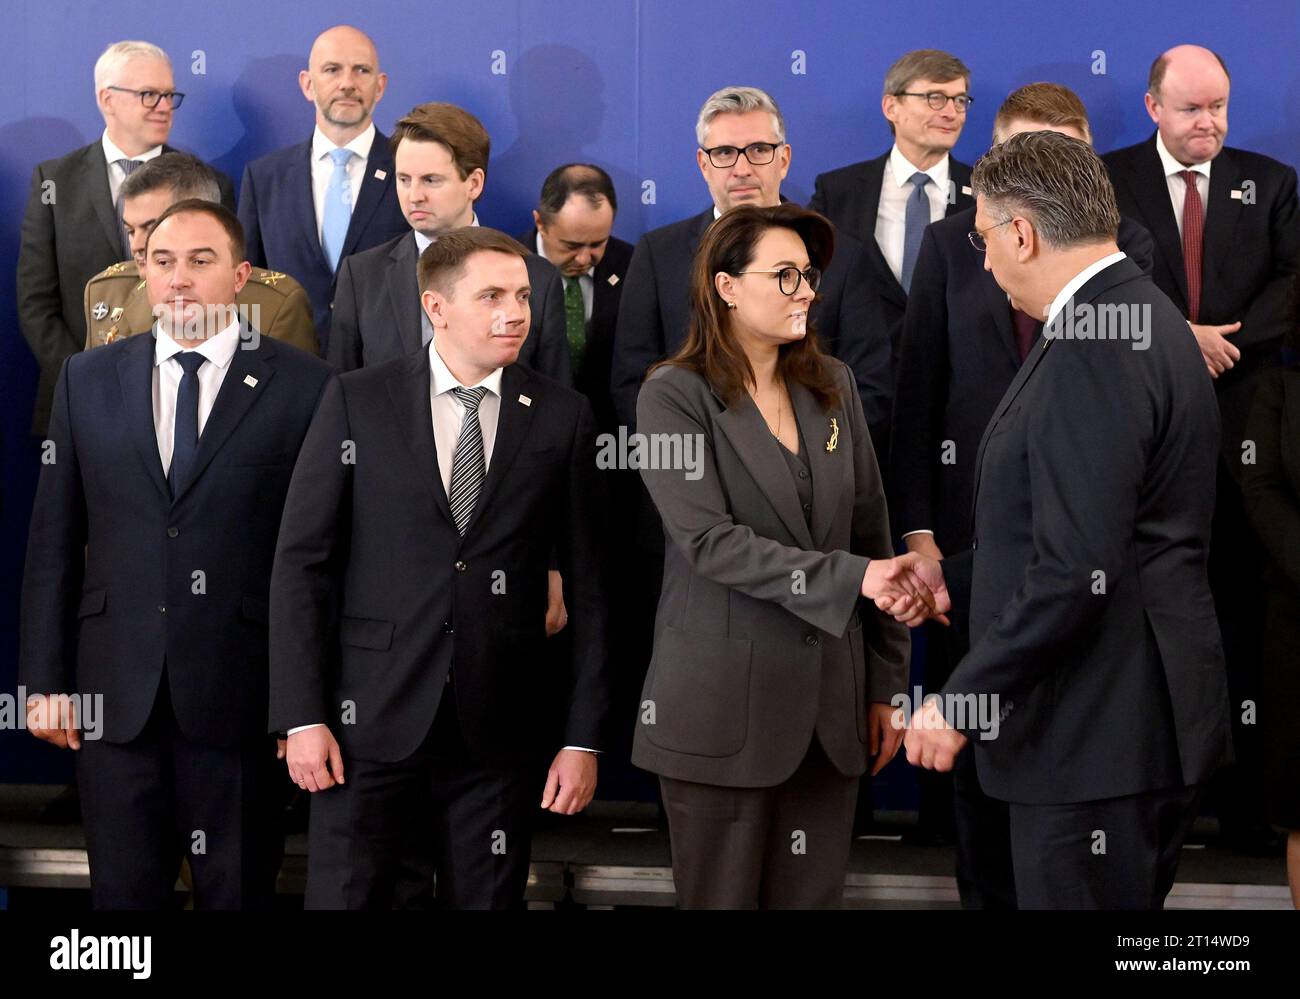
976, 236
150, 98
789, 278
938, 101
758, 153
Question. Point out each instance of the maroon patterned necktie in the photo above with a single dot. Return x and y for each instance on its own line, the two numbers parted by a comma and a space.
1193, 238
1027, 330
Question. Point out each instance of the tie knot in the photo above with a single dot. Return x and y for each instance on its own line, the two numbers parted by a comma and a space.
190, 360
1189, 177
470, 398
919, 180
341, 156
128, 166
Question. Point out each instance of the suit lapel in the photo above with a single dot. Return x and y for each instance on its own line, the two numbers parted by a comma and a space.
999, 308
101, 195
959, 178
404, 292
372, 190
513, 421
760, 453
873, 178
1221, 217
412, 407
1151, 190
135, 377
304, 204
233, 401
831, 470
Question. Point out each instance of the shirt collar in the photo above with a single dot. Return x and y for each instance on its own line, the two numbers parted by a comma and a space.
422, 241
445, 381
113, 154
1079, 280
589, 272
1172, 166
218, 349
322, 145
902, 169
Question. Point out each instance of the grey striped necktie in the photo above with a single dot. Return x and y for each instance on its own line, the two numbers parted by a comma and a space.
468, 465
128, 168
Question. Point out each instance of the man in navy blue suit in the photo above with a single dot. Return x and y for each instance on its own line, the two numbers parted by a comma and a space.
148, 574
306, 207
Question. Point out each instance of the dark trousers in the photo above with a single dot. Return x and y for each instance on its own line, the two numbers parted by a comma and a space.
985, 873
474, 821
148, 802
1117, 853
783, 847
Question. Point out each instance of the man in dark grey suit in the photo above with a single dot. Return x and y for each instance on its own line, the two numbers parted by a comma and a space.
879, 201
1094, 692
440, 154
72, 228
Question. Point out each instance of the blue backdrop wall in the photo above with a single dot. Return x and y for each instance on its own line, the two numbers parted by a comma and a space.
615, 82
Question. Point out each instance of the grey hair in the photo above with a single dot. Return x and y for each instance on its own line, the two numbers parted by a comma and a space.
1058, 183
738, 100
114, 58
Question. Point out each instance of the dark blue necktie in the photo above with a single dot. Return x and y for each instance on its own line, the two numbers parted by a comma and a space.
185, 439
916, 218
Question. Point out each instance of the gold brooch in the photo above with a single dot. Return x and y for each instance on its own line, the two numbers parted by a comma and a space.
834, 442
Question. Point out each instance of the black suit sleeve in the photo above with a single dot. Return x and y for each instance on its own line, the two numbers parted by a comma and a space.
1270, 314
343, 349
310, 551
580, 563
1137, 244
40, 308
922, 392
253, 249
638, 334
552, 357
56, 545
1272, 504
864, 346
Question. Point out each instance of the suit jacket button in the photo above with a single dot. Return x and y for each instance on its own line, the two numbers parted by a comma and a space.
811, 640
461, 567
172, 532
162, 608
446, 627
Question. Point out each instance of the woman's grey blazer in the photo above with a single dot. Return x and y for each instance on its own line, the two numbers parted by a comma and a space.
760, 637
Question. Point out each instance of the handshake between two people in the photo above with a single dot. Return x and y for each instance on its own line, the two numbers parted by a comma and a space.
910, 588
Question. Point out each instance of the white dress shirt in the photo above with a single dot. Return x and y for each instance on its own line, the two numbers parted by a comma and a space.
167, 372
116, 171
891, 214
322, 168
586, 280
1178, 186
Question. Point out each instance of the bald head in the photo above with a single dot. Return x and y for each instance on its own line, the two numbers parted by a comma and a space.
343, 80
1187, 98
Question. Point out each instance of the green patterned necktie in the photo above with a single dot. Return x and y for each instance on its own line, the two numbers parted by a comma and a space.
575, 321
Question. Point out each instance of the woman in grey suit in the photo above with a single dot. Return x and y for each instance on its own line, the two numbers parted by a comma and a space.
768, 692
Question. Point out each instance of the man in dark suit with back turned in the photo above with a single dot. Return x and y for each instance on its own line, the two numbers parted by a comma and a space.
72, 227
1226, 224
440, 155
888, 201
308, 206
1095, 670
149, 569
572, 226
962, 345
407, 640
743, 156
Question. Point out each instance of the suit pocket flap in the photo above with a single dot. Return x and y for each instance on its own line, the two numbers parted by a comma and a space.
366, 633
92, 602
254, 609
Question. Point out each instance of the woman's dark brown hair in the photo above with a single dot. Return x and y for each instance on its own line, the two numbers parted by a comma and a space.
710, 348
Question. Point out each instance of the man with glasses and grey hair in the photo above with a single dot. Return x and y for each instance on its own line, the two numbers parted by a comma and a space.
887, 202
743, 156
72, 228
1095, 662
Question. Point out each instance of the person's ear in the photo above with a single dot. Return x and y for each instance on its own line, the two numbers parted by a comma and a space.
305, 85
725, 285
433, 304
1026, 239
1153, 107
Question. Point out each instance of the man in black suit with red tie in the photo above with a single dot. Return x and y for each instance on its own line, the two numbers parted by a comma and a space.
962, 345
1093, 696
887, 202
148, 572
407, 641
1226, 224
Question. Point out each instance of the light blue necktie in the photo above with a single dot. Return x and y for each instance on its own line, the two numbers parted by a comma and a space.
914, 223
338, 208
